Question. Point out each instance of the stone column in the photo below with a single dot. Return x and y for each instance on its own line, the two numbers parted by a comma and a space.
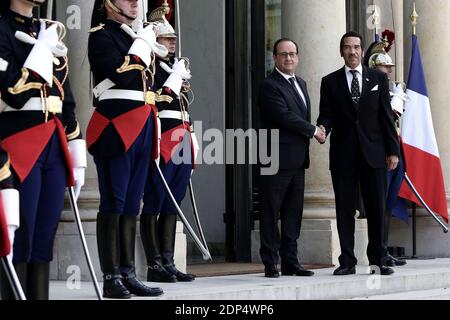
317, 27
76, 16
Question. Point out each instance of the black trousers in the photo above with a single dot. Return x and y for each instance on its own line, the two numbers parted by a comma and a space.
281, 196
373, 185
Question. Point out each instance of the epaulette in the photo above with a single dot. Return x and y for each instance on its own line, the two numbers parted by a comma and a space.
99, 27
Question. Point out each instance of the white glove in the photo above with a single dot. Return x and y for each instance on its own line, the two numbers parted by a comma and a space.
78, 173
195, 145
398, 99
60, 50
40, 59
77, 150
178, 74
397, 88
3, 65
145, 42
179, 67
12, 211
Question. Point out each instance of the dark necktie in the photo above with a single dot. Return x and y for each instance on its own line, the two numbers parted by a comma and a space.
292, 81
355, 88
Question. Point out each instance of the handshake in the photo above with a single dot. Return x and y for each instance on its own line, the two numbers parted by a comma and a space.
321, 134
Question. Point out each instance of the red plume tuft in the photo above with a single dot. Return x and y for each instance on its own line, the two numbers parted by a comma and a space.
390, 36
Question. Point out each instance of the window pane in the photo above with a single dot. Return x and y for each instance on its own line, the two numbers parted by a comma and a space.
273, 30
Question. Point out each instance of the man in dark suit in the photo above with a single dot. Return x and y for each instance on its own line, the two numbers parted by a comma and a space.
355, 109
285, 106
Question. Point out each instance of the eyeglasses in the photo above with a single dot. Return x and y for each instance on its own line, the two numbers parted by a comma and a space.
347, 47
284, 55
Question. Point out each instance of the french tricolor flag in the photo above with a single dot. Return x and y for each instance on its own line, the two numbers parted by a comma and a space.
421, 153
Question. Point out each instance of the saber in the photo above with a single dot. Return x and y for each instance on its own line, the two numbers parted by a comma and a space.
197, 219
203, 249
191, 188
49, 9
76, 213
13, 279
178, 26
411, 185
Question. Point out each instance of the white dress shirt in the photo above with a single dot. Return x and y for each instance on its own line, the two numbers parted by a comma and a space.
297, 86
349, 76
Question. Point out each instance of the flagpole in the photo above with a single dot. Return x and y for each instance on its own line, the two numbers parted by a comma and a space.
376, 22
414, 17
49, 9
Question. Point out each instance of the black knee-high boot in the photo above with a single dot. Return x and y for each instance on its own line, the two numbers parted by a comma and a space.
149, 236
127, 254
166, 230
108, 243
5, 287
38, 280
390, 260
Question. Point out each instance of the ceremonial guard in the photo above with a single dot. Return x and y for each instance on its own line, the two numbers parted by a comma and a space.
378, 58
39, 130
122, 136
159, 216
9, 197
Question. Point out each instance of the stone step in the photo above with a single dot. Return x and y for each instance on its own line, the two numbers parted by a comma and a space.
416, 276
432, 294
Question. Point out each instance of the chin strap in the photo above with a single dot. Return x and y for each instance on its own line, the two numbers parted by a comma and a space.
36, 3
116, 9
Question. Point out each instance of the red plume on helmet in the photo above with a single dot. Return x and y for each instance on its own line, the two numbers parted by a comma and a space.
390, 36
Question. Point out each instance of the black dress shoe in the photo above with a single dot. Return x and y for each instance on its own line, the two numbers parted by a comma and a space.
180, 276
389, 262
343, 271
114, 288
271, 272
383, 270
386, 271
296, 270
136, 287
157, 273
392, 261
399, 262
